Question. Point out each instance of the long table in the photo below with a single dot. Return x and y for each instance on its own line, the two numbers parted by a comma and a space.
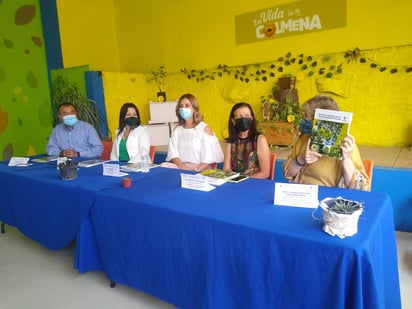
232, 248
228, 248
47, 209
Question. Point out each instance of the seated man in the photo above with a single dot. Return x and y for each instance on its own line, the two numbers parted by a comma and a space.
73, 137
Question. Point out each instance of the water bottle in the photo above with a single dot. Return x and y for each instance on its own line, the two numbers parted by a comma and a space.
145, 161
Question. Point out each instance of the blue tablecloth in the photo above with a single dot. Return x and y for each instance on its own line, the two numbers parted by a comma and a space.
232, 248
47, 209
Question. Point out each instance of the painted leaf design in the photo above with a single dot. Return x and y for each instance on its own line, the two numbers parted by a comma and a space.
37, 41
31, 80
4, 120
7, 43
24, 14
8, 152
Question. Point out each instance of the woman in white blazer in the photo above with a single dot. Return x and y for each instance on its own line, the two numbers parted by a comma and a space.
131, 139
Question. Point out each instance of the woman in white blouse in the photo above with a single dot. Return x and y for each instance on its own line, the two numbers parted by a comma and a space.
131, 138
193, 145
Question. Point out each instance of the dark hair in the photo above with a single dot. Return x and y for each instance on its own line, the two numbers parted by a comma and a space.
122, 115
197, 116
233, 132
66, 104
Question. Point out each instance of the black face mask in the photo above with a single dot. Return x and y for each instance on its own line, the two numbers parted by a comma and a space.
132, 121
243, 124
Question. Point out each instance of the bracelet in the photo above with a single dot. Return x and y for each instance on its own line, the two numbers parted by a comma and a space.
298, 163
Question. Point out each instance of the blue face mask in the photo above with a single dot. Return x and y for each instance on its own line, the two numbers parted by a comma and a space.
185, 113
70, 120
306, 126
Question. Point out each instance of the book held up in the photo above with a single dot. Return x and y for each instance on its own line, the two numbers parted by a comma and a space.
328, 129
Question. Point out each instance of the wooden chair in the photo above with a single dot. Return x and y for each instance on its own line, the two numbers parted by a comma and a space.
368, 165
107, 149
272, 165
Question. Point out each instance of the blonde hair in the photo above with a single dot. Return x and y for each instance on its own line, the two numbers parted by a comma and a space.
197, 116
319, 101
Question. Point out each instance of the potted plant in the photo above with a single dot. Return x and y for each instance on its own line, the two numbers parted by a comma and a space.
281, 114
68, 169
341, 216
159, 77
63, 91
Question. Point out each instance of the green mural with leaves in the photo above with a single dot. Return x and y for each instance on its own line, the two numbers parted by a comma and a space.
24, 90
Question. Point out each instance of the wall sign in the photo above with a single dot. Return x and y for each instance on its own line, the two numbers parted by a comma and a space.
290, 19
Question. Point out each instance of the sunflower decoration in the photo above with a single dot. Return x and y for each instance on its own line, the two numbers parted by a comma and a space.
288, 110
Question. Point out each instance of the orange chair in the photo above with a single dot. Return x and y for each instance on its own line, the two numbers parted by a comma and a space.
152, 152
107, 149
272, 165
368, 165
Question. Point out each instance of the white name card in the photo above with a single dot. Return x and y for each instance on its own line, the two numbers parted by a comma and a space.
297, 195
18, 161
111, 169
195, 182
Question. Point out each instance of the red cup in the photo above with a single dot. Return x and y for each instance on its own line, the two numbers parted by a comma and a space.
126, 182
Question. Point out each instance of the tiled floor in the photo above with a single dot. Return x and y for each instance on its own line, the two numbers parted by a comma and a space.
37, 278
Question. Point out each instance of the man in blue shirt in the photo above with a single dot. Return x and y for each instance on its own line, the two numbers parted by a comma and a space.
73, 137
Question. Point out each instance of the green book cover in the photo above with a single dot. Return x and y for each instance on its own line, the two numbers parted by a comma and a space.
217, 176
328, 129
218, 173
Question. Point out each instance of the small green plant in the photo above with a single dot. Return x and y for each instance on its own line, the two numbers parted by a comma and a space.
68, 163
159, 77
287, 109
342, 206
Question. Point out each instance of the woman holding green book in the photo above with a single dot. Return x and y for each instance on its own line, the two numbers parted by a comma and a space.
306, 165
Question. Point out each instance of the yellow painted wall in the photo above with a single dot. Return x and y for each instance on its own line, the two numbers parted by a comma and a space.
88, 34
381, 102
135, 37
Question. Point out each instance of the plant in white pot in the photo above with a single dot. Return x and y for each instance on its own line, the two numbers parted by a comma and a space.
340, 216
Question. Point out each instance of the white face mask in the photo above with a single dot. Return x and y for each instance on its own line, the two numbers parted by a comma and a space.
185, 113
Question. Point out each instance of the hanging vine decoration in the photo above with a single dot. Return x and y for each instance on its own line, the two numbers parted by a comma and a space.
264, 71
289, 65
356, 55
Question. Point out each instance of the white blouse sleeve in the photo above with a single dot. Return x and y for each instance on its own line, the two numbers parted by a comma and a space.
173, 151
211, 151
